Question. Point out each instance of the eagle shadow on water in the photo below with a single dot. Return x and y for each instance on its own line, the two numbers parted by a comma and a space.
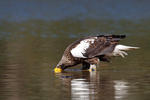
89, 51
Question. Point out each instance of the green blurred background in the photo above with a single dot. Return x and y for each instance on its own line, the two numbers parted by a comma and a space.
34, 34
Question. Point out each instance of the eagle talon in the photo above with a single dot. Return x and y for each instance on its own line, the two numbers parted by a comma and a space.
92, 68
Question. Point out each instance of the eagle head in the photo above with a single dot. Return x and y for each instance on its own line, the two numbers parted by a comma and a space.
63, 64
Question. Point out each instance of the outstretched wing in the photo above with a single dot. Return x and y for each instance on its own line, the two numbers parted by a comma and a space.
103, 45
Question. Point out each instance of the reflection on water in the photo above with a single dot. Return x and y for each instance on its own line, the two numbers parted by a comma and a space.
91, 86
81, 89
121, 89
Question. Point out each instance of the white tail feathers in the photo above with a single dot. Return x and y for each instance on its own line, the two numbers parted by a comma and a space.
123, 47
120, 50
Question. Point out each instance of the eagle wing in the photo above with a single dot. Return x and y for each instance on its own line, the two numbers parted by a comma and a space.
103, 45
95, 46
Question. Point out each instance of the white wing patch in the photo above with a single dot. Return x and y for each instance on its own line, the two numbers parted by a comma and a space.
80, 49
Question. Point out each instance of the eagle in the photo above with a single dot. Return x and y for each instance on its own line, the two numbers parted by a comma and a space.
89, 51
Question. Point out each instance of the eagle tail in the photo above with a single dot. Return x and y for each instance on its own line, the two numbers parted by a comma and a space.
120, 50
126, 48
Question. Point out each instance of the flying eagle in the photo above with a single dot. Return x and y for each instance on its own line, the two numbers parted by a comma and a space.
89, 51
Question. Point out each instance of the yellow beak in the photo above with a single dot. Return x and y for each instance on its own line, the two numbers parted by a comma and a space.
57, 70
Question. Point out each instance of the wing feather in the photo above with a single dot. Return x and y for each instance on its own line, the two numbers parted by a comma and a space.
103, 45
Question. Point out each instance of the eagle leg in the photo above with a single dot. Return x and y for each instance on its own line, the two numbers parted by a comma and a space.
104, 58
90, 64
85, 66
92, 67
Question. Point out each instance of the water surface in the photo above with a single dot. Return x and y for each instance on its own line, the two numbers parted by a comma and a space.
26, 73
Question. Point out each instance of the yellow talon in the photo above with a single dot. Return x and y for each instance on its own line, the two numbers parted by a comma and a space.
92, 70
57, 70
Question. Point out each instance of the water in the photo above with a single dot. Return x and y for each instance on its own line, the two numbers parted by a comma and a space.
26, 65
33, 37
